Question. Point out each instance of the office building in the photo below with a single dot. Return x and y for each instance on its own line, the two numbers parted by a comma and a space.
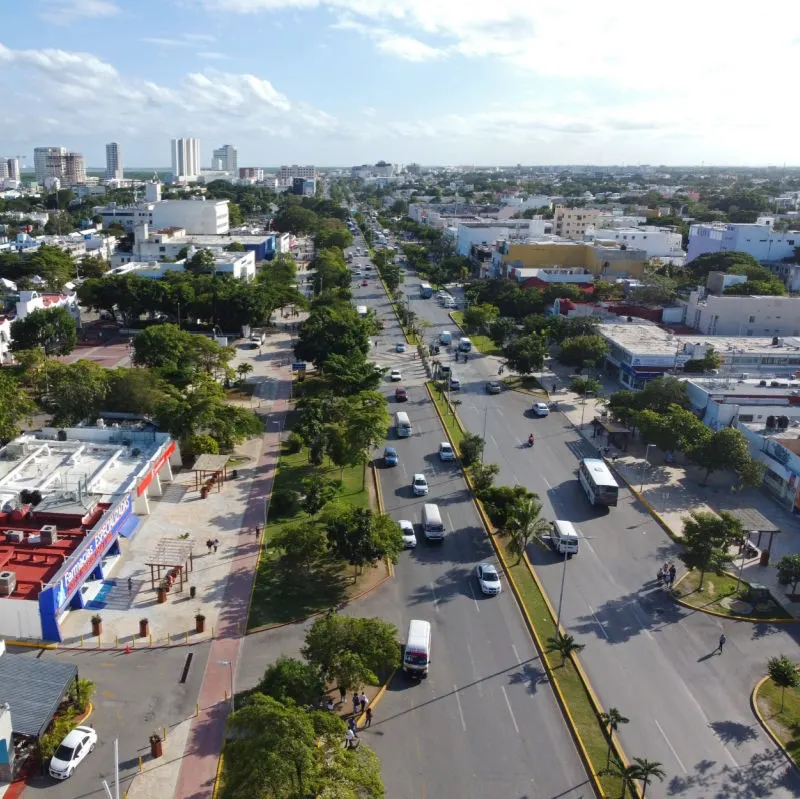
48, 162
287, 173
185, 159
304, 187
225, 159
114, 161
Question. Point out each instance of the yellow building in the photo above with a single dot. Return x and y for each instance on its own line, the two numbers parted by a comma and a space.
595, 258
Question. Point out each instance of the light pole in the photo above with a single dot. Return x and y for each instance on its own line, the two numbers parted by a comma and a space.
563, 583
485, 417
645, 462
583, 406
229, 664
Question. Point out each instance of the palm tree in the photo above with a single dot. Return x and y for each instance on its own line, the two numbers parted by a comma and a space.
625, 774
784, 673
525, 522
611, 722
244, 369
565, 645
647, 770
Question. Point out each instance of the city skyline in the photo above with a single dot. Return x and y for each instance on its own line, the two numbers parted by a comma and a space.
439, 83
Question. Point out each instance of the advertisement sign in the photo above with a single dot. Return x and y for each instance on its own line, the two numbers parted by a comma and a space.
91, 551
157, 466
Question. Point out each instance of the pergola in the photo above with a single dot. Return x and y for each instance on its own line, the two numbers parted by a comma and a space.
170, 553
618, 434
755, 522
210, 465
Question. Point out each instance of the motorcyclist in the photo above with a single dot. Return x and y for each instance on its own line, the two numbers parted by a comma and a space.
530, 440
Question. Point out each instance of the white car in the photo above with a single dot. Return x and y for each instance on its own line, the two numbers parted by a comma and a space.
395, 376
446, 451
409, 537
419, 485
71, 751
541, 409
488, 579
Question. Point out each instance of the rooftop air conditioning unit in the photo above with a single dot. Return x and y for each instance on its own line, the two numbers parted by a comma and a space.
49, 533
17, 536
8, 582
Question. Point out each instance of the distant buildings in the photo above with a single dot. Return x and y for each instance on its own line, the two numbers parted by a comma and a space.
196, 216
758, 240
185, 159
239, 265
571, 223
287, 173
57, 164
743, 316
9, 170
304, 187
114, 169
251, 173
225, 159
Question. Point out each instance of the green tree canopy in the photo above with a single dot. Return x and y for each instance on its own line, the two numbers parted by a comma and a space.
477, 318
328, 331
707, 539
582, 351
289, 679
77, 391
525, 354
15, 406
52, 329
361, 537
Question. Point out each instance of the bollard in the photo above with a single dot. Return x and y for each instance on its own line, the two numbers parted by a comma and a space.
197, 709
150, 637
169, 639
133, 641
140, 762
165, 734
98, 641
187, 636
81, 640
226, 694
116, 641
212, 630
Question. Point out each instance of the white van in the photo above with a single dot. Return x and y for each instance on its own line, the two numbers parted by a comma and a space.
432, 524
361, 310
465, 345
564, 538
402, 424
417, 655
455, 382
445, 337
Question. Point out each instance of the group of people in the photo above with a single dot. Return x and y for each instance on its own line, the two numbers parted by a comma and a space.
212, 543
666, 574
360, 705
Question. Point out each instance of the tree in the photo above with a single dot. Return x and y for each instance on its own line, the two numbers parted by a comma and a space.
772, 287
199, 444
525, 354
719, 262
318, 492
295, 219
373, 640
710, 361
723, 449
784, 673
789, 571
582, 351
348, 374
52, 329
392, 276
203, 262
524, 523
90, 266
350, 673
331, 330
646, 770
657, 290
584, 386
501, 330
302, 544
471, 448
77, 391
244, 369
361, 537
15, 405
290, 679
707, 539
611, 721
482, 476
178, 351
477, 318
675, 430
627, 775
54, 265
330, 270
565, 645
234, 246
333, 233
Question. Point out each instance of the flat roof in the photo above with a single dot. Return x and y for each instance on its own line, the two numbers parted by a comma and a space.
33, 689
640, 337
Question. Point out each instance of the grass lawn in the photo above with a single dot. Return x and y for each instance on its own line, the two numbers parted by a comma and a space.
453, 427
785, 724
527, 383
719, 595
280, 596
481, 343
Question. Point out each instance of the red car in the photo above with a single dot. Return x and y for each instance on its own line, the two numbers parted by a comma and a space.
364, 282
400, 394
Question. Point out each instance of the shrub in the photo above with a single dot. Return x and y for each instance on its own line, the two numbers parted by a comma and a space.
471, 449
284, 502
293, 444
200, 445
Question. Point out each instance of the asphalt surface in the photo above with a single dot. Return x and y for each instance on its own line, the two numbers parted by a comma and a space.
135, 694
484, 722
647, 656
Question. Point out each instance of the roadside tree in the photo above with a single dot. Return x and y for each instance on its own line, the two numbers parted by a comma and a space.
471, 448
525, 354
783, 671
15, 406
361, 537
290, 679
477, 318
525, 522
789, 571
611, 721
723, 449
303, 545
565, 645
582, 351
707, 541
646, 770
51, 329
77, 391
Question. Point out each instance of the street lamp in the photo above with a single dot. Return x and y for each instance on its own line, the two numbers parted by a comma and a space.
563, 582
583, 405
229, 664
645, 462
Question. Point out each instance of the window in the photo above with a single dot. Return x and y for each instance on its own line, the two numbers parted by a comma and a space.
752, 319
790, 241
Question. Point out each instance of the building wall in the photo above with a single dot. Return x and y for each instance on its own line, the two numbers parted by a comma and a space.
185, 158
586, 256
295, 171
758, 240
20, 618
571, 223
654, 242
743, 316
200, 217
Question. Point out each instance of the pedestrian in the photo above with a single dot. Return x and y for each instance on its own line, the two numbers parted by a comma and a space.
209, 544
722, 641
672, 572
351, 723
356, 703
342, 695
130, 584
363, 702
349, 739
368, 722
258, 529
216, 544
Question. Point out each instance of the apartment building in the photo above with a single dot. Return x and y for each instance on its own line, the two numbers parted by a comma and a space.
114, 169
656, 242
721, 315
196, 216
757, 239
225, 159
468, 234
185, 159
571, 223
287, 173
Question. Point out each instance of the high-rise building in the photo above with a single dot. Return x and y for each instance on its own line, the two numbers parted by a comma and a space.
48, 162
185, 159
225, 159
74, 169
13, 170
114, 169
251, 173
295, 171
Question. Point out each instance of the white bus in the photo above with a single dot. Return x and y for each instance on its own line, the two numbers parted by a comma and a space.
417, 653
599, 484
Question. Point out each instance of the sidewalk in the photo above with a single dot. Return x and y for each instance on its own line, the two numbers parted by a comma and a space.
674, 490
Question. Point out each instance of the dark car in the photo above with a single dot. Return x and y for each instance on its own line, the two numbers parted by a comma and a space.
494, 387
400, 394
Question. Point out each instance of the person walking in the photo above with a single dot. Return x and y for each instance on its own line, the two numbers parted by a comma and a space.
368, 722
342, 695
130, 584
349, 739
209, 544
351, 723
722, 642
356, 703
672, 572
216, 544
363, 702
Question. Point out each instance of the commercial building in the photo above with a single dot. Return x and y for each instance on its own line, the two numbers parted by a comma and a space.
74, 170
656, 242
758, 239
720, 315
304, 187
238, 265
114, 170
196, 216
571, 223
9, 172
541, 278
225, 159
470, 233
67, 496
185, 159
287, 173
639, 352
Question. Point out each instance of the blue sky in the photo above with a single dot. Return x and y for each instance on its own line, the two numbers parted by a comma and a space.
340, 82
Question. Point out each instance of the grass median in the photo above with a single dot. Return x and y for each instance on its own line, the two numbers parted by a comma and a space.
784, 723
721, 595
481, 343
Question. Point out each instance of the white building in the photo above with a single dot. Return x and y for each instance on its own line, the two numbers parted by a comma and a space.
48, 162
114, 169
469, 233
225, 159
723, 315
758, 240
287, 173
239, 265
523, 203
205, 217
126, 215
185, 159
656, 242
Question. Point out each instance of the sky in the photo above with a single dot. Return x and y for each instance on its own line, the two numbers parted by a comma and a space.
450, 82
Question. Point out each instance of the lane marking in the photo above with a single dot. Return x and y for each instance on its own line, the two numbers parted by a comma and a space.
474, 599
516, 479
493, 441
510, 711
671, 747
594, 616
516, 655
460, 711
435, 599
498, 411
449, 521
475, 671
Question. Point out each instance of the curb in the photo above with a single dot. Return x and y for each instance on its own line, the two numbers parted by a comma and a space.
763, 722
381, 691
535, 636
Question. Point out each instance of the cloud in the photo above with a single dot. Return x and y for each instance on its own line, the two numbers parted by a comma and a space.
65, 12
213, 56
408, 49
183, 40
